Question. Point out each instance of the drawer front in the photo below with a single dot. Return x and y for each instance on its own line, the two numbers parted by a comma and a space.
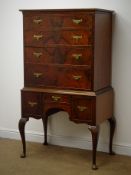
41, 21
75, 78
57, 37
83, 109
40, 76
56, 76
56, 98
31, 104
59, 55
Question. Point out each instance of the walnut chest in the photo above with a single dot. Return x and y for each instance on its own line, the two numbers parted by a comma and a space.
67, 67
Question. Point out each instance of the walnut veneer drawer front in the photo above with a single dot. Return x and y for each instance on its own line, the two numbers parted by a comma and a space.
58, 76
56, 98
58, 37
31, 104
59, 55
41, 21
83, 109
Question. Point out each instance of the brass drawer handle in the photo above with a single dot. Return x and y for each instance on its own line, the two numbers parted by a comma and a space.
77, 21
77, 77
37, 74
32, 104
77, 56
37, 21
37, 54
77, 37
82, 108
56, 98
37, 37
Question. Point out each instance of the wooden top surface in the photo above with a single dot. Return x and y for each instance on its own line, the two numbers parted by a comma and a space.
97, 10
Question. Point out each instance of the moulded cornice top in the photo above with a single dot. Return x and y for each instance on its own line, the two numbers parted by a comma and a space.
70, 10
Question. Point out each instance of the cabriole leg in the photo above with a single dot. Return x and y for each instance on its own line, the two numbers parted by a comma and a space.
45, 122
22, 123
112, 123
95, 134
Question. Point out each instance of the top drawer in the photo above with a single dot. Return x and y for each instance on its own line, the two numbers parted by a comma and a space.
40, 21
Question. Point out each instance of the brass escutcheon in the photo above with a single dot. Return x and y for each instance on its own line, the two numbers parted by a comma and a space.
77, 56
77, 21
82, 108
37, 21
37, 74
77, 37
77, 77
32, 104
55, 98
37, 37
37, 54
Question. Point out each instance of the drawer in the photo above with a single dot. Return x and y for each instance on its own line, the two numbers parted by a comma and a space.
31, 104
75, 78
41, 21
40, 76
56, 98
58, 37
58, 76
59, 55
83, 109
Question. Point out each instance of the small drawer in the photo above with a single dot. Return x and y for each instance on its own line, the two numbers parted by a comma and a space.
40, 76
83, 109
75, 78
40, 21
78, 20
63, 37
31, 104
36, 21
56, 98
79, 56
59, 55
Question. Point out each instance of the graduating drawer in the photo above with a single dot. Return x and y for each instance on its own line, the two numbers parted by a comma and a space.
31, 104
58, 37
59, 55
58, 76
40, 21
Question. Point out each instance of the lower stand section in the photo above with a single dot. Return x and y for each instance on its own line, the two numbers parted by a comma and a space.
22, 123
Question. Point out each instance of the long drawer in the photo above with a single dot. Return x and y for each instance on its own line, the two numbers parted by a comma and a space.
65, 77
59, 55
